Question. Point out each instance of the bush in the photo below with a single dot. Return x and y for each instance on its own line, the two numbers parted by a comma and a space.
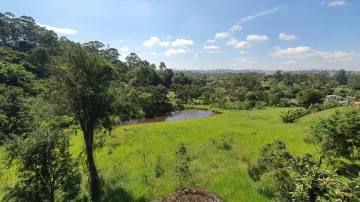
223, 144
247, 105
292, 115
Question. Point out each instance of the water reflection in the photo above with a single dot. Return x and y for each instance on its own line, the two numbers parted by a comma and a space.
174, 116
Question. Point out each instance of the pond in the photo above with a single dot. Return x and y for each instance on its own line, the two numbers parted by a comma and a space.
186, 114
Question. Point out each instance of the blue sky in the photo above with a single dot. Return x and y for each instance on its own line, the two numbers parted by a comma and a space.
211, 34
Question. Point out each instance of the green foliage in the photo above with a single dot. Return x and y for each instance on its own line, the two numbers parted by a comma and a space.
83, 81
45, 167
15, 116
223, 144
291, 116
354, 81
310, 96
237, 105
182, 165
299, 178
341, 77
338, 136
159, 170
272, 156
144, 76
317, 184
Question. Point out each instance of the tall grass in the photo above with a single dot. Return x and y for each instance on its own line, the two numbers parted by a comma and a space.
220, 147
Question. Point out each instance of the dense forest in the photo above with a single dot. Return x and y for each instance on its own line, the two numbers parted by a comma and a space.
51, 87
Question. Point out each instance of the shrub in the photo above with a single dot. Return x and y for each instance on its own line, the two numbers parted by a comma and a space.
247, 105
223, 144
292, 115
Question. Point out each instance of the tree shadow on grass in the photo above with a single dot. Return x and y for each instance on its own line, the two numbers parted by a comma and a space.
118, 194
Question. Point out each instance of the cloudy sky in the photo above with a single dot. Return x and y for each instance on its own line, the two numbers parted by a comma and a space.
211, 34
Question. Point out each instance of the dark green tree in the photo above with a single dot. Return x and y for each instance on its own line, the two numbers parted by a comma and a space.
94, 46
45, 167
168, 74
83, 79
162, 66
133, 60
278, 76
310, 96
354, 81
144, 76
341, 77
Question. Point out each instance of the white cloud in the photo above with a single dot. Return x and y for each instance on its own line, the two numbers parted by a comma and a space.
169, 36
238, 44
338, 3
210, 41
302, 52
221, 35
288, 62
337, 56
258, 38
182, 42
243, 52
252, 17
292, 53
287, 37
59, 30
125, 48
246, 60
323, 2
235, 28
171, 52
152, 42
164, 43
154, 54
121, 41
212, 48
137, 48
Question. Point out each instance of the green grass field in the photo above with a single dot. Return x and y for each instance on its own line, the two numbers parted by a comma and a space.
127, 160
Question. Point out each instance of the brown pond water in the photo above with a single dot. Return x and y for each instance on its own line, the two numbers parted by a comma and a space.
186, 114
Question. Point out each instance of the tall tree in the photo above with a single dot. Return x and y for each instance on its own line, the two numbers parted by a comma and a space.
162, 66
84, 78
341, 77
133, 60
310, 96
278, 76
111, 54
94, 46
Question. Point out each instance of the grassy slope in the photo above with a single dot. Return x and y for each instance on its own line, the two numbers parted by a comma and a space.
132, 151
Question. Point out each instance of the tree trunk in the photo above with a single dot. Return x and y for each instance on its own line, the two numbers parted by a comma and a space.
95, 184
52, 194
